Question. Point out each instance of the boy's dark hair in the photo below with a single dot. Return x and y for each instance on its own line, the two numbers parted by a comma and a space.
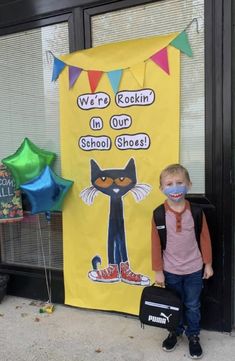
173, 169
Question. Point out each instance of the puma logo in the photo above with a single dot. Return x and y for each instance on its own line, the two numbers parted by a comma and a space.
167, 317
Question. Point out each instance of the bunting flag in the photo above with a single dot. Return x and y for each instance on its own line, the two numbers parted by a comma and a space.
138, 71
57, 68
115, 78
74, 73
161, 59
94, 78
181, 42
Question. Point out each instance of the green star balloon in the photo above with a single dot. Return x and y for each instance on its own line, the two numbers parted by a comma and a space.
27, 162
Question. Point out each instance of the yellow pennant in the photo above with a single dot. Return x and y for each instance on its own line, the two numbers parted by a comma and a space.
138, 71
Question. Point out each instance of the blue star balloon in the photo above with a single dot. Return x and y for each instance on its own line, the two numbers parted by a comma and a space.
47, 191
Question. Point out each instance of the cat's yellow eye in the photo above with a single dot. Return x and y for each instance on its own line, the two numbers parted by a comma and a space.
104, 182
123, 181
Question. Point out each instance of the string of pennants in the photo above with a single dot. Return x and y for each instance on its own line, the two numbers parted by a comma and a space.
160, 58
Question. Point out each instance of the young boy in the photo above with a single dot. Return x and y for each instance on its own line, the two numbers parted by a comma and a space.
178, 262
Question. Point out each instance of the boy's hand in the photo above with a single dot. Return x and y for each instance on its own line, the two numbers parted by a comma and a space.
160, 278
208, 271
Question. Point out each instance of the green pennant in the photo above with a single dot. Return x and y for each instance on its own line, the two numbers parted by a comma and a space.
181, 42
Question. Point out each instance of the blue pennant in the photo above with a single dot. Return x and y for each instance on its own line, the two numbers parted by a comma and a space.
57, 68
115, 78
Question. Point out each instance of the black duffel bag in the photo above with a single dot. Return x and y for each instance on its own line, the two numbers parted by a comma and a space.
160, 307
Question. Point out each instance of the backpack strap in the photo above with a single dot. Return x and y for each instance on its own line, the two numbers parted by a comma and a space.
196, 211
159, 216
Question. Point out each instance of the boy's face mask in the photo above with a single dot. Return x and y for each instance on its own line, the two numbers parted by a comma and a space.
176, 192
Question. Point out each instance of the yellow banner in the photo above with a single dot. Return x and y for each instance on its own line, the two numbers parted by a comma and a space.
113, 146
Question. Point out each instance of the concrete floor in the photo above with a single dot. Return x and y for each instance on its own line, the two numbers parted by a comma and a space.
72, 334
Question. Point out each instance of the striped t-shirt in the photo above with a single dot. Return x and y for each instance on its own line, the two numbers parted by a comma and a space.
182, 255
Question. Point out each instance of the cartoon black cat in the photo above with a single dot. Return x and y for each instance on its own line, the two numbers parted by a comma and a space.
115, 183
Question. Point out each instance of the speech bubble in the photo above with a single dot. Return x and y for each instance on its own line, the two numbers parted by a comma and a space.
93, 101
120, 121
132, 141
90, 142
96, 123
141, 97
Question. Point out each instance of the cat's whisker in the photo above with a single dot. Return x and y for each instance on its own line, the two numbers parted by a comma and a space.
143, 186
83, 195
135, 194
92, 195
88, 195
140, 191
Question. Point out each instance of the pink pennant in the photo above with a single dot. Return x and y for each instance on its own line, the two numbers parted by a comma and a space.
94, 78
161, 59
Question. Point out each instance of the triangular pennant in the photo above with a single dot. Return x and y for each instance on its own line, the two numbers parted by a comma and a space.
74, 73
57, 68
181, 42
161, 59
115, 78
138, 71
94, 78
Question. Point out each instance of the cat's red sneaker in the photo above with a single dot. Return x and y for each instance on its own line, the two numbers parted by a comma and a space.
108, 275
132, 278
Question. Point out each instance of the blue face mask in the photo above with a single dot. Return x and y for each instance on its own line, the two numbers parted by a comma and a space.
176, 193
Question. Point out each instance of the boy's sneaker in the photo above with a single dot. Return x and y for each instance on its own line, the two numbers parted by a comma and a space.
195, 350
169, 344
